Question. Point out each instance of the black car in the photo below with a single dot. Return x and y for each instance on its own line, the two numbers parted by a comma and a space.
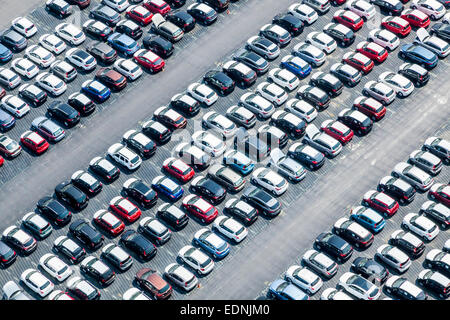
145, 147
241, 210
252, 60
102, 51
59, 8
84, 232
417, 74
353, 233
438, 262
104, 169
186, 104
290, 23
154, 230
173, 216
438, 212
139, 191
105, 14
370, 269
343, 35
182, 20
130, 28
397, 188
346, 73
240, 73
156, 131
206, 17
33, 94
87, 183
442, 30
334, 246
38, 226
436, 282
315, 96
219, 81
67, 247
262, 201
328, 83
306, 155
158, 45
71, 195
408, 243
54, 211
176, 3
97, 30
138, 244
391, 7
290, 124
219, 5
7, 255
208, 189
357, 121
13, 40
64, 113
96, 269
404, 292
81, 103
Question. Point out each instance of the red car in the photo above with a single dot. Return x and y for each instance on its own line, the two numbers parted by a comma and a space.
397, 25
441, 192
358, 61
149, 60
200, 208
372, 50
370, 107
34, 141
157, 6
1, 161
152, 282
179, 169
125, 208
139, 14
337, 130
349, 19
380, 202
109, 222
2, 93
338, 2
416, 18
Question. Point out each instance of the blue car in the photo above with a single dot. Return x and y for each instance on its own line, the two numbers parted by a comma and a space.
368, 218
5, 54
238, 161
123, 43
418, 54
283, 290
95, 90
296, 65
167, 187
7, 121
211, 243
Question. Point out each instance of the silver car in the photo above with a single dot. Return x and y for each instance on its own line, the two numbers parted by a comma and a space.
220, 124
181, 276
439, 147
379, 91
418, 178
426, 161
263, 47
227, 177
322, 6
241, 116
435, 44
320, 263
286, 166
321, 141
257, 104
393, 257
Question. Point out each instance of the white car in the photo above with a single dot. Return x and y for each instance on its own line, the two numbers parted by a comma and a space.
334, 294
301, 109
25, 67
118, 5
196, 259
362, 8
24, 26
446, 18
128, 68
202, 93
379, 91
37, 282
284, 78
286, 166
51, 83
59, 295
432, 8
209, 143
359, 287
14, 105
304, 13
416, 177
435, 44
40, 56
420, 225
55, 267
402, 86
272, 92
181, 276
304, 278
124, 156
9, 78
70, 33
393, 257
270, 180
384, 38
81, 59
52, 43
230, 228
220, 124
134, 294
321, 41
